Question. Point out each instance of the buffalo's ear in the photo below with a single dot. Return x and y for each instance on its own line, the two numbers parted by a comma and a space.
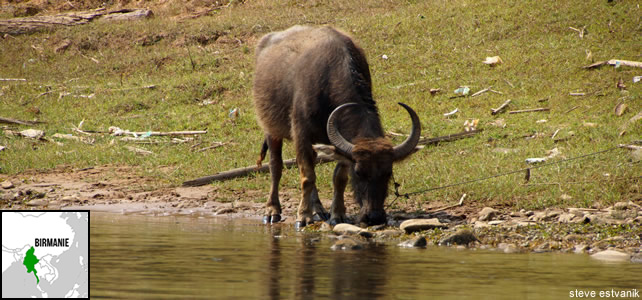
330, 151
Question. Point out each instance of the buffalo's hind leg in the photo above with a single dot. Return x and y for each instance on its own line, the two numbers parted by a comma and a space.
273, 205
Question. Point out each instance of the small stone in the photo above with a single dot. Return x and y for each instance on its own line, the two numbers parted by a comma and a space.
345, 228
32, 133
480, 224
346, 244
546, 247
487, 214
7, 185
418, 242
36, 203
611, 256
461, 237
580, 249
624, 205
565, 218
224, 210
389, 233
378, 227
511, 248
545, 215
413, 225
325, 227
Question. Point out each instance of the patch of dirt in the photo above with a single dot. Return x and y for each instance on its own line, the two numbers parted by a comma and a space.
122, 189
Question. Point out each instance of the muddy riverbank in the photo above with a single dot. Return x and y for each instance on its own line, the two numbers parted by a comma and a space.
120, 189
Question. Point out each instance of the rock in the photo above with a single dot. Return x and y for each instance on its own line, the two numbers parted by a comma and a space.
378, 227
461, 237
636, 258
224, 210
413, 225
508, 248
346, 244
573, 237
325, 227
32, 133
546, 247
625, 205
418, 242
389, 233
580, 249
565, 218
7, 185
487, 214
480, 224
611, 256
545, 215
37, 203
345, 228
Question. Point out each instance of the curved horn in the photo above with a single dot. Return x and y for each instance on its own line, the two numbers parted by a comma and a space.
338, 141
408, 146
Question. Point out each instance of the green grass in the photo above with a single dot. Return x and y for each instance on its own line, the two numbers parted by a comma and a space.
435, 44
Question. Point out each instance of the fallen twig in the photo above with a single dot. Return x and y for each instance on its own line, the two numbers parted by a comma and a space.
13, 79
240, 172
630, 147
139, 150
321, 158
577, 94
481, 92
461, 201
615, 62
495, 111
511, 85
217, 144
529, 110
572, 109
117, 131
15, 121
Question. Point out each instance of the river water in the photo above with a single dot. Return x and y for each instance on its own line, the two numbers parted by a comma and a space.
220, 258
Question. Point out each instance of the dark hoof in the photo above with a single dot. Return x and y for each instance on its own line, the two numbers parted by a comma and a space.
298, 225
321, 217
271, 219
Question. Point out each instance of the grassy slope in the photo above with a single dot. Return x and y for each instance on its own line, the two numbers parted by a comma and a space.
436, 44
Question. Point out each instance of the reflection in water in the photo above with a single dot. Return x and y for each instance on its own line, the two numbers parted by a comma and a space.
352, 274
181, 257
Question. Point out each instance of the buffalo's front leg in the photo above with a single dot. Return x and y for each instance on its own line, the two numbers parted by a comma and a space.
273, 206
310, 202
339, 181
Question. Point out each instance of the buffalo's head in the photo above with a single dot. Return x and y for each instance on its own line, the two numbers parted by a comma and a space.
371, 160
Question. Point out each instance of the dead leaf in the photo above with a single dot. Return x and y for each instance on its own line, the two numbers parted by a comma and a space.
495, 60
620, 84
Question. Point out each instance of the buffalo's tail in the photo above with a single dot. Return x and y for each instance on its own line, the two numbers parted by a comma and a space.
264, 150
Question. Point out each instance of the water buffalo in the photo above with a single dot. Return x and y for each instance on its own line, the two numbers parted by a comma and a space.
312, 85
